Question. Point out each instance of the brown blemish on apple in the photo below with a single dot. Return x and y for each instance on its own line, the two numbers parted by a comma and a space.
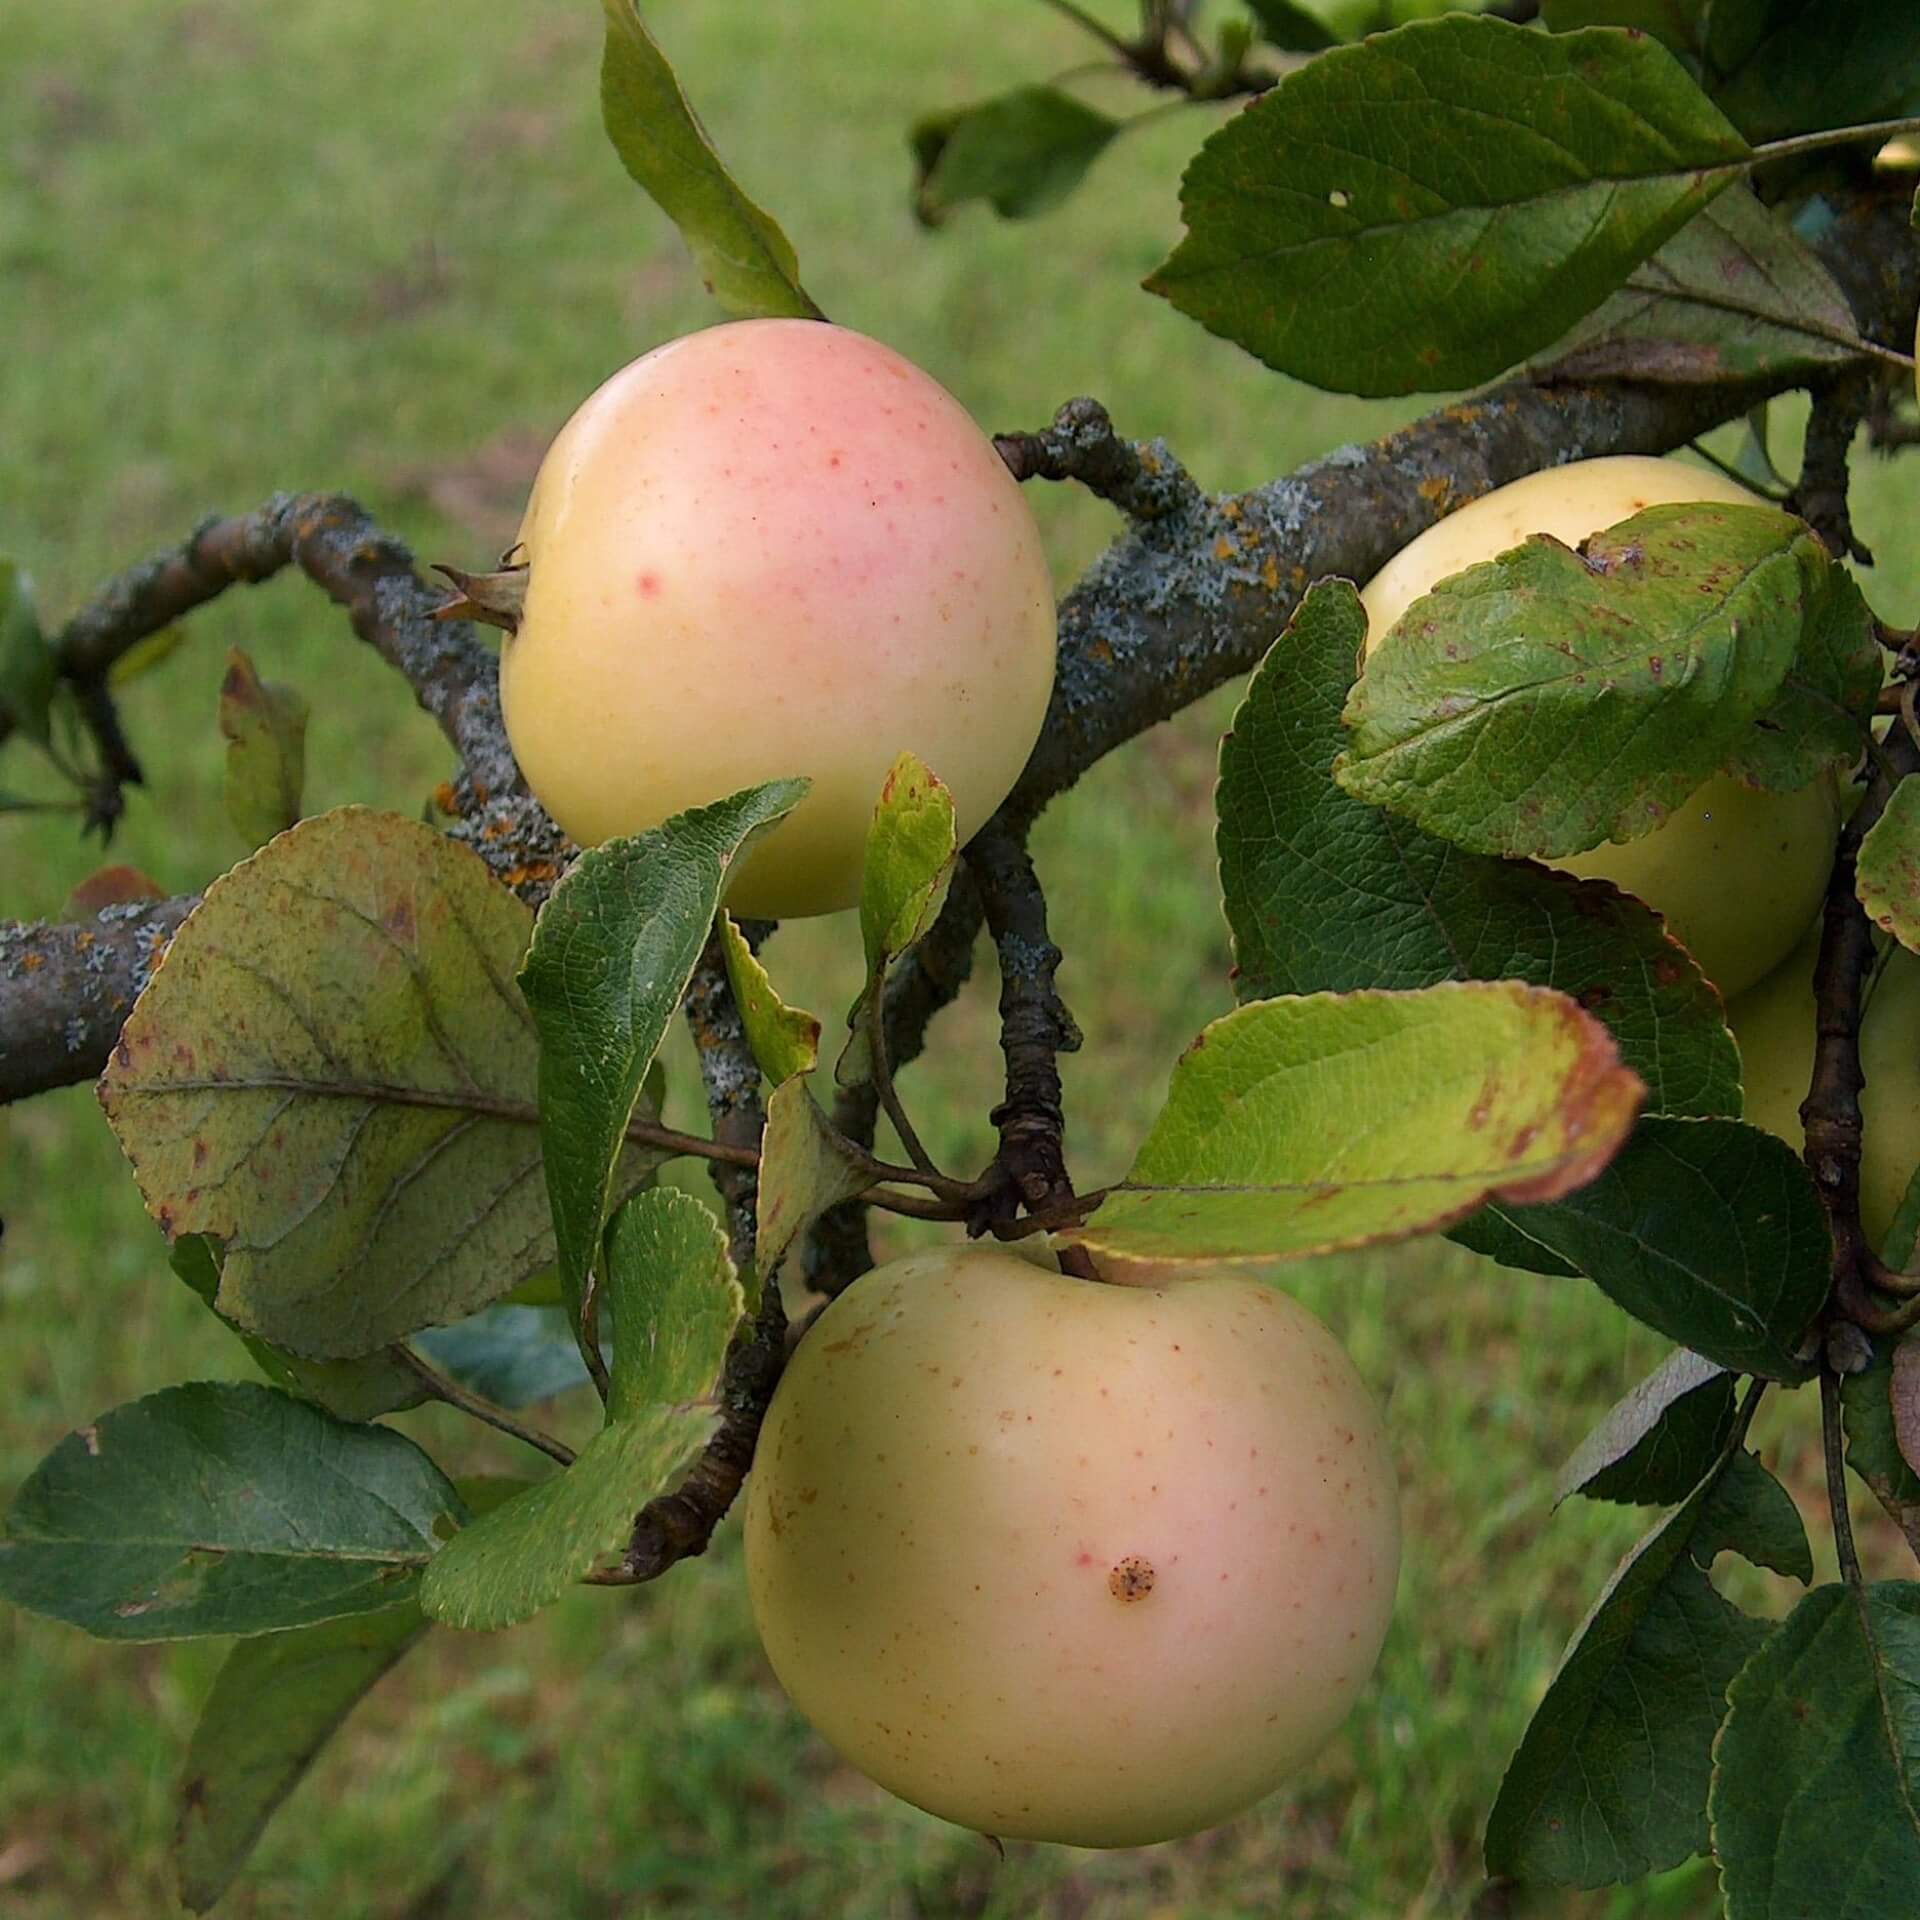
1131, 1579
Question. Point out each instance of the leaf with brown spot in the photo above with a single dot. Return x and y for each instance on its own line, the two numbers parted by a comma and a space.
333, 1075
1547, 700
1338, 1120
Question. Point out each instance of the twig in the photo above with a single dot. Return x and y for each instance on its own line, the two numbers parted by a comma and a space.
1874, 133
1144, 481
66, 989
454, 1395
1188, 601
1830, 1443
1193, 598
1820, 495
1030, 1170
334, 542
1830, 1113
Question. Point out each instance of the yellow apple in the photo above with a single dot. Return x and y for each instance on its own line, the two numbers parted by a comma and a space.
1736, 872
1774, 1024
1062, 1560
771, 548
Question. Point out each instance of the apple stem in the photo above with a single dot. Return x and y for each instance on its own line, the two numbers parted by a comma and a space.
496, 599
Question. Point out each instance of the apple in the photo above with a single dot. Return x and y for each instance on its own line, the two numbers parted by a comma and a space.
1774, 1024
1063, 1560
1736, 872
774, 547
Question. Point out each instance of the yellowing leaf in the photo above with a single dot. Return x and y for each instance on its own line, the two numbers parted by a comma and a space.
1300, 1125
332, 1074
784, 1040
265, 725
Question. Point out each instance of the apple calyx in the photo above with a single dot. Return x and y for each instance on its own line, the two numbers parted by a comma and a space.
497, 599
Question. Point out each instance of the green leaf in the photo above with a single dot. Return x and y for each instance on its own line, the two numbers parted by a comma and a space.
747, 263
29, 667
1292, 28
1297, 1126
231, 1508
1798, 66
275, 1703
1416, 213
1735, 294
805, 1168
611, 958
1816, 1782
510, 1355
1503, 1237
1889, 869
265, 726
1548, 700
910, 851
1325, 894
1658, 1442
1819, 718
522, 1556
675, 1303
1710, 1232
1023, 152
1674, 23
783, 1039
910, 848
382, 1383
1873, 1442
675, 1300
1610, 1781
333, 1075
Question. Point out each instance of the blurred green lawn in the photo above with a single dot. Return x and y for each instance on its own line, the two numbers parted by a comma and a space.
382, 247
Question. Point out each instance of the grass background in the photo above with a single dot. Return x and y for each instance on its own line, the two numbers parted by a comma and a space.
381, 246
